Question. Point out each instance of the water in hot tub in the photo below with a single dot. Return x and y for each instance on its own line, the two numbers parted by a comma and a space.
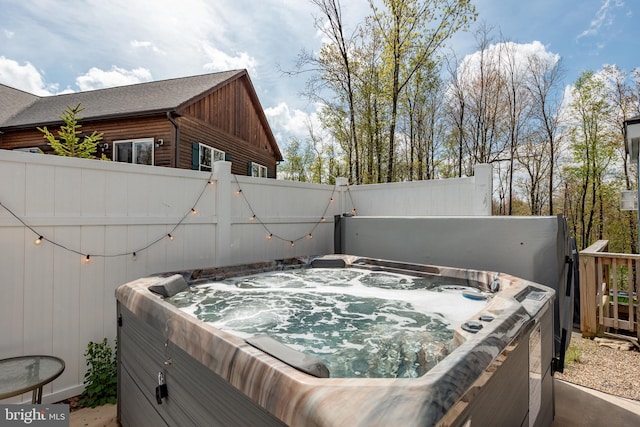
361, 323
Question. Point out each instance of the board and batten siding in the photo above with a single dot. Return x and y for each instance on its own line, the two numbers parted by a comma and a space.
240, 152
233, 110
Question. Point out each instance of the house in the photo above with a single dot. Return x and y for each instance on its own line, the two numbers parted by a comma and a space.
185, 123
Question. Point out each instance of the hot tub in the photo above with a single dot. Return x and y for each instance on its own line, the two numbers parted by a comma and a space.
181, 362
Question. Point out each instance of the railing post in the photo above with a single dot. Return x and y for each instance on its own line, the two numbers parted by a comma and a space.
588, 287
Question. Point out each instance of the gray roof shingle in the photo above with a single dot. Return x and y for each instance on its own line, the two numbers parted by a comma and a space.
131, 100
13, 101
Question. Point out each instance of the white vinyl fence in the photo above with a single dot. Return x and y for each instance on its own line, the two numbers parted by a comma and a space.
130, 221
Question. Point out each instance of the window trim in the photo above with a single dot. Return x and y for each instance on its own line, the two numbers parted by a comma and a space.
263, 171
214, 151
133, 142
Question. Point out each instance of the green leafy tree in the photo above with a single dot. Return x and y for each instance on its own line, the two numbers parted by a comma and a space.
413, 31
593, 148
69, 142
299, 159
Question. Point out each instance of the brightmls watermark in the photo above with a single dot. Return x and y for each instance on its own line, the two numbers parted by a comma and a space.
34, 415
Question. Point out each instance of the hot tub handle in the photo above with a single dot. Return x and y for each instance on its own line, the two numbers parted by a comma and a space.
161, 390
472, 326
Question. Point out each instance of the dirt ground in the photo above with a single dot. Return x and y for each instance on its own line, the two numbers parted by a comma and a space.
102, 416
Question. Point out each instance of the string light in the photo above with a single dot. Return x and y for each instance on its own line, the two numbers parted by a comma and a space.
87, 258
270, 235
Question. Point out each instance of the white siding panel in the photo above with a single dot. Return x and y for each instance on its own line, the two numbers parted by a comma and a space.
66, 314
12, 189
39, 192
12, 280
145, 260
115, 196
38, 293
91, 285
67, 188
92, 191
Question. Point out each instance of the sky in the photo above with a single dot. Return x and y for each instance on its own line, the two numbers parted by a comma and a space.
49, 47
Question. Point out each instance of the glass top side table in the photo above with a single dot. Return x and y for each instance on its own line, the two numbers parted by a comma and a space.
28, 373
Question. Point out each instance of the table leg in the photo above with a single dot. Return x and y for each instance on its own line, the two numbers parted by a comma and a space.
36, 397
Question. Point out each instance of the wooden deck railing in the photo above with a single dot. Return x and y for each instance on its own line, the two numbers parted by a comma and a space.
609, 285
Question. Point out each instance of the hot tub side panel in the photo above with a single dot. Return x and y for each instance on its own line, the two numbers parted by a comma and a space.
196, 395
517, 388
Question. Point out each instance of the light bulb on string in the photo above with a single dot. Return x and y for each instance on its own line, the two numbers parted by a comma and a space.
331, 200
252, 217
323, 219
353, 211
292, 243
269, 236
238, 191
86, 258
309, 236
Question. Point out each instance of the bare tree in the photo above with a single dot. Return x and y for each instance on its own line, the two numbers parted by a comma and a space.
518, 106
544, 84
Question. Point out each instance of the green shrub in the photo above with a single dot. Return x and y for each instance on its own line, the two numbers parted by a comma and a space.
572, 355
101, 379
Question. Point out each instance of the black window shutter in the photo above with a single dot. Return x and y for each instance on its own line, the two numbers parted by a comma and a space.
227, 157
250, 168
195, 156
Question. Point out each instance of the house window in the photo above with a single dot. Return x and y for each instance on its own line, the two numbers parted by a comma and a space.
208, 156
29, 150
138, 151
258, 170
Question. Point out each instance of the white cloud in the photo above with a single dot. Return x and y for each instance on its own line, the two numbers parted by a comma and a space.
8, 34
520, 51
603, 18
96, 78
286, 122
220, 61
24, 77
147, 45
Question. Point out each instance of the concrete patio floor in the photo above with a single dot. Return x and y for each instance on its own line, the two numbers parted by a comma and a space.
581, 406
576, 406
